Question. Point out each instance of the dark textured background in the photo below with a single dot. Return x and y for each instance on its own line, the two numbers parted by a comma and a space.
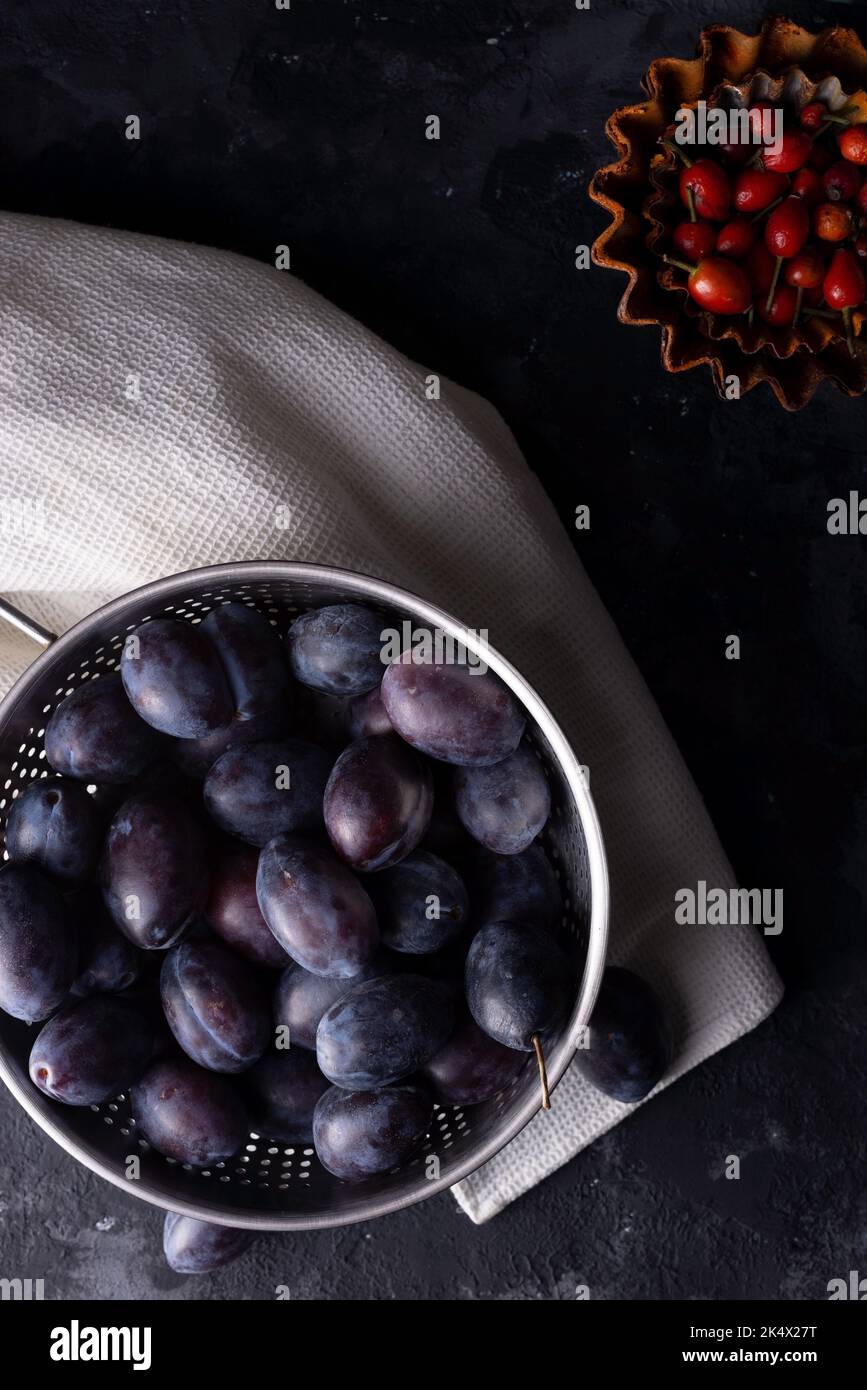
306, 127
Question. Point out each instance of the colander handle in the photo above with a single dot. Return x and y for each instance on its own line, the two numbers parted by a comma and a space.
26, 625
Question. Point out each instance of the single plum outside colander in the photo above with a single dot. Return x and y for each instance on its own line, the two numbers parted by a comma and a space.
270, 1185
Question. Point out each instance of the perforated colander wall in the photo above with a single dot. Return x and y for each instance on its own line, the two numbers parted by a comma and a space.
270, 1183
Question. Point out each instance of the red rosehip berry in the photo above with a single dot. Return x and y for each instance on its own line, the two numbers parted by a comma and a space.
853, 143
832, 222
793, 150
694, 239
760, 268
735, 153
756, 120
780, 312
787, 228
844, 285
736, 238
805, 271
706, 181
716, 284
720, 286
755, 190
812, 115
807, 184
841, 182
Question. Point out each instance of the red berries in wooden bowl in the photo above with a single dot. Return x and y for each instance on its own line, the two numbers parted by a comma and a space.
802, 181
755, 122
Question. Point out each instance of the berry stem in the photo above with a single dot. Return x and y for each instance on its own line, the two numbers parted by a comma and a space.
681, 265
798, 300
676, 150
822, 314
827, 123
764, 212
850, 337
690, 198
777, 268
543, 1074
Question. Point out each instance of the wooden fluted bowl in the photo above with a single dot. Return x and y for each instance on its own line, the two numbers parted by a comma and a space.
790, 66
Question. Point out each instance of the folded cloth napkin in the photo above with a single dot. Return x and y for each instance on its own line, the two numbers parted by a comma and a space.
164, 406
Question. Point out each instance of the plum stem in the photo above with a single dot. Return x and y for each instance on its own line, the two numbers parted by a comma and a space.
543, 1075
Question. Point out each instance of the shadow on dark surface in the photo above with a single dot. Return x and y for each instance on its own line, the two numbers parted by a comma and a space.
262, 127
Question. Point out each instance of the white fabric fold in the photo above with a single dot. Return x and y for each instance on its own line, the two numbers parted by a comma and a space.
164, 406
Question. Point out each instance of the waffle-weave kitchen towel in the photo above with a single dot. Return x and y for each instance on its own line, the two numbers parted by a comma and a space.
166, 406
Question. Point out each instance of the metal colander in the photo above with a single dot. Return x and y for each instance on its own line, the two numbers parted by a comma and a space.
270, 1185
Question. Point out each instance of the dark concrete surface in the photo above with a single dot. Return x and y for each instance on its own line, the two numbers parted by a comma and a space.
707, 518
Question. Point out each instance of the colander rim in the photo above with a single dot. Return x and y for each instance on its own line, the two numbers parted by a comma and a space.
39, 1107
